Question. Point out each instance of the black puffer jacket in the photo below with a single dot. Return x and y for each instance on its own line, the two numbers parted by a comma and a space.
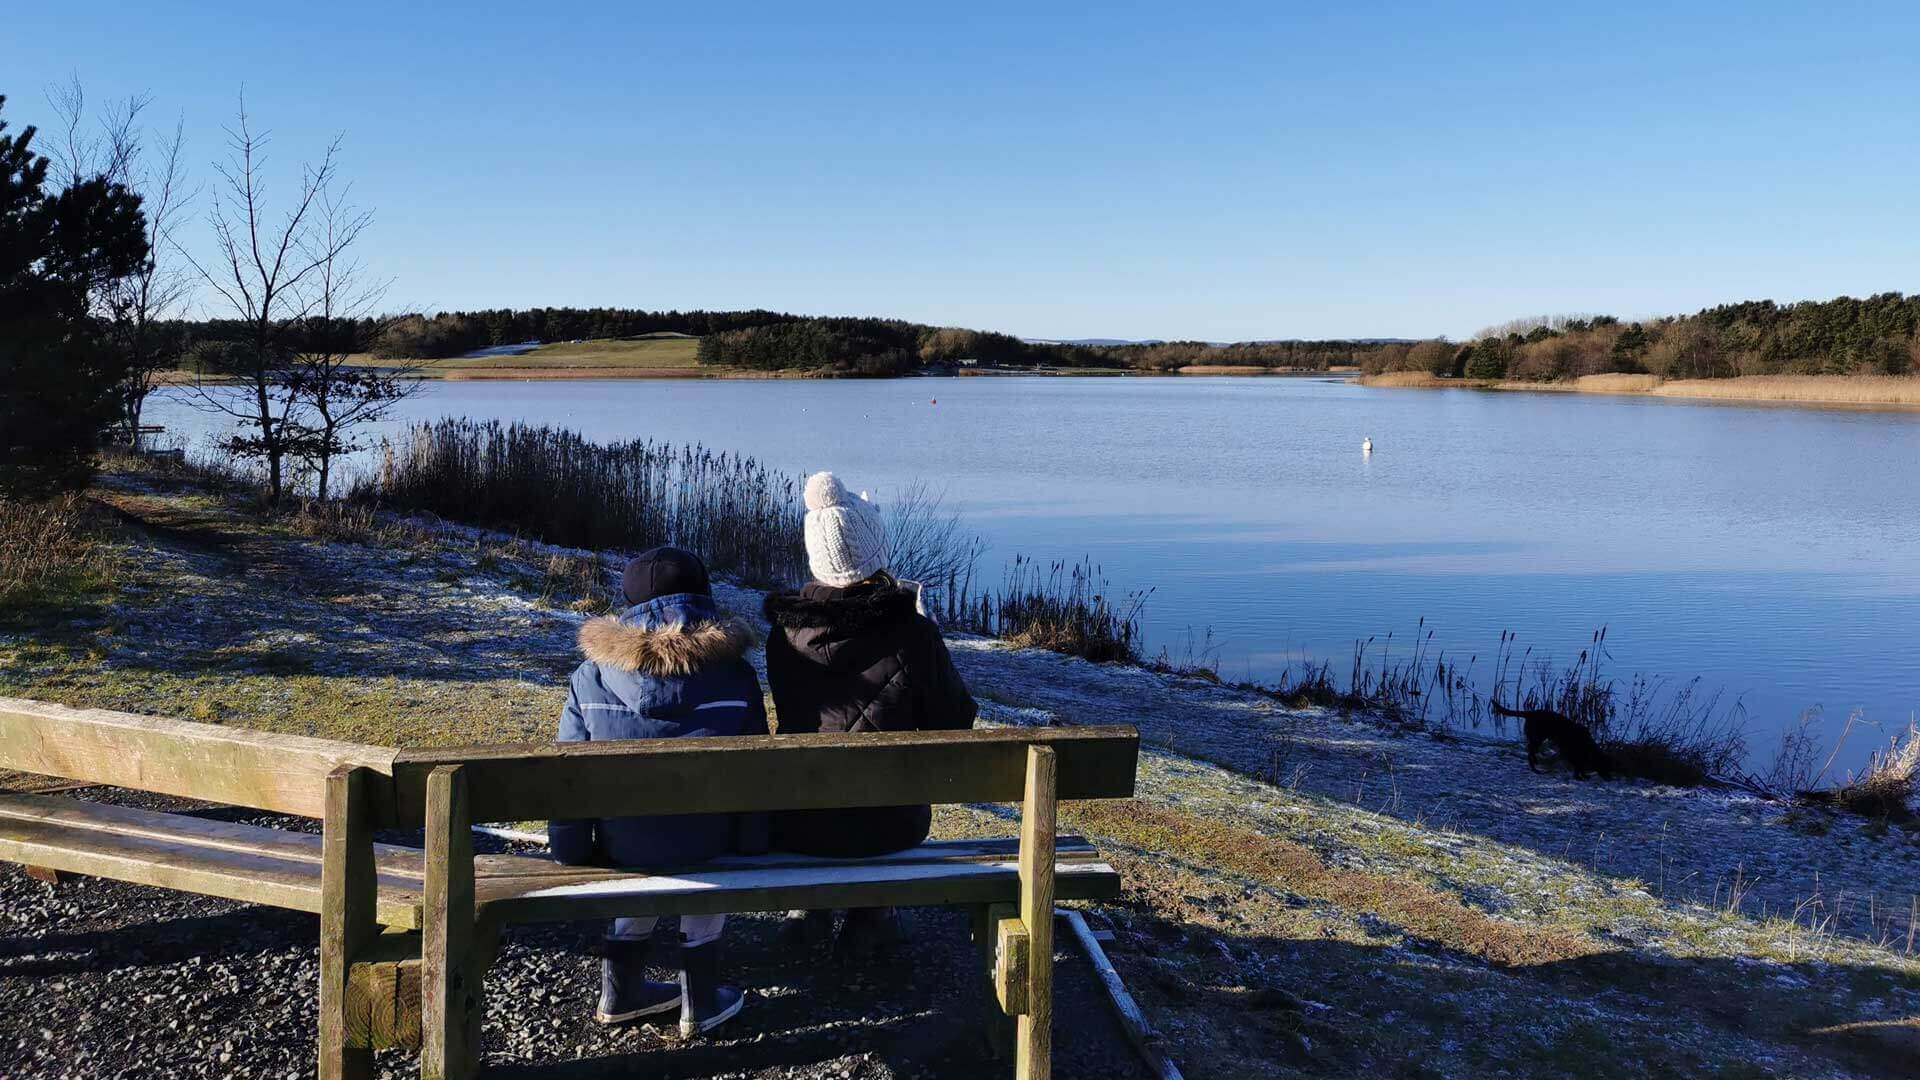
852, 660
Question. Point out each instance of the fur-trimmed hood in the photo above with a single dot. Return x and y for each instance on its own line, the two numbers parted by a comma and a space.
665, 640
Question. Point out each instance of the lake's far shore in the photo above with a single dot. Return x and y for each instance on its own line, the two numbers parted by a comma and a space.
1870, 391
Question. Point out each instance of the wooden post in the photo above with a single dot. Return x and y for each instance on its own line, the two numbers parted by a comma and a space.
450, 982
1033, 1044
986, 933
348, 889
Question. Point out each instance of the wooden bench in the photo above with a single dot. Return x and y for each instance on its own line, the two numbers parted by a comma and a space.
420, 982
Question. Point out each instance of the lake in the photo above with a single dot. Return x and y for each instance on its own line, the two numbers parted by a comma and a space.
1772, 552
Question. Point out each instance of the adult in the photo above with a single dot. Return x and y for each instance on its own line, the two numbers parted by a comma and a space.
851, 652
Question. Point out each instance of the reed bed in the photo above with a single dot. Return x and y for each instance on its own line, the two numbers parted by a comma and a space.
1671, 733
1827, 389
1886, 787
557, 486
1617, 382
1401, 378
1064, 607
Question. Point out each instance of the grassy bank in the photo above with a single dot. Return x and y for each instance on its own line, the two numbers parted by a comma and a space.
1892, 391
1304, 894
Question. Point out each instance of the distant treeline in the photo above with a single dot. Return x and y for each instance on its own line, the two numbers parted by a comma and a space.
893, 347
205, 343
1876, 336
456, 333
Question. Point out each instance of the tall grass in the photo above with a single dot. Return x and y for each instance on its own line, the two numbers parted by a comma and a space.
1671, 733
49, 552
1833, 389
557, 486
1884, 788
1064, 607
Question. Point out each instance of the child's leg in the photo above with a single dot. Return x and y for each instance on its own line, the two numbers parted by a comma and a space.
698, 930
640, 929
705, 1003
625, 991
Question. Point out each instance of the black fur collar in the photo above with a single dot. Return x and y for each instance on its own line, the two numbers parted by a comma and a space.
860, 608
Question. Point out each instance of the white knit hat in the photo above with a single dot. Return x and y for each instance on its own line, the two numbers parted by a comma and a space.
846, 540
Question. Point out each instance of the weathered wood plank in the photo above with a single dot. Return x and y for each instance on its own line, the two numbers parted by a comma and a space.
1012, 964
347, 894
1003, 849
383, 993
996, 1024
267, 771
233, 836
704, 892
1033, 1036
450, 984
184, 867
248, 863
772, 772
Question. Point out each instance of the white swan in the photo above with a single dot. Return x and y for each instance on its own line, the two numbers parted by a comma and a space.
1366, 445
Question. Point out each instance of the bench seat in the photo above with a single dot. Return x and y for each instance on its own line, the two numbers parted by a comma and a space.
256, 864
249, 863
937, 873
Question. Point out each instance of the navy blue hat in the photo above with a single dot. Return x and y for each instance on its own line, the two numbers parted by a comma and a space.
664, 571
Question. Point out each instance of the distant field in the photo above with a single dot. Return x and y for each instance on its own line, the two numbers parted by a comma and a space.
651, 355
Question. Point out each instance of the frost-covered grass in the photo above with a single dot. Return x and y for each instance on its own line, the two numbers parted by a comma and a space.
1305, 894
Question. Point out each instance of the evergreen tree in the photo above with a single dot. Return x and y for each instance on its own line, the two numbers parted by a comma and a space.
60, 252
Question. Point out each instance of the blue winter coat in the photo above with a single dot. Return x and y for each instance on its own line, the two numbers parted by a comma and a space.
672, 667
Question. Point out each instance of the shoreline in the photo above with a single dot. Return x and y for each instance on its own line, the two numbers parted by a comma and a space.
1876, 392
1272, 854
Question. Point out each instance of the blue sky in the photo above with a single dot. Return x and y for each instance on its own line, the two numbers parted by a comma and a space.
1223, 171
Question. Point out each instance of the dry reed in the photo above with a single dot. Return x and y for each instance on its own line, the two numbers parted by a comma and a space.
49, 550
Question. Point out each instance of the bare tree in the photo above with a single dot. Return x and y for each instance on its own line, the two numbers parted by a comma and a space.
267, 271
339, 397
134, 307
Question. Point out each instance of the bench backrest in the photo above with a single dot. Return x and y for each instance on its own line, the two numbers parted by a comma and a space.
772, 772
257, 769
287, 773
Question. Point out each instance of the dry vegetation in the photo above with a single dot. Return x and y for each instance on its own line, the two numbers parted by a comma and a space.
1835, 389
52, 552
1266, 929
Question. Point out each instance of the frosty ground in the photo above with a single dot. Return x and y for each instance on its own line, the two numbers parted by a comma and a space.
1306, 894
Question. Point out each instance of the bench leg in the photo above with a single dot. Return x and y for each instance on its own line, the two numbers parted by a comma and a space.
347, 897
450, 978
1033, 1047
986, 932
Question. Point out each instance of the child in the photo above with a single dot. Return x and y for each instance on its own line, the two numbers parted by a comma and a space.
670, 666
850, 652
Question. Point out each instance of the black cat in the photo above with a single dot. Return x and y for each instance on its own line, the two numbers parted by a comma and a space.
1568, 736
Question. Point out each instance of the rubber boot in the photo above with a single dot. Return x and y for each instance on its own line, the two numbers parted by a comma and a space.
625, 991
704, 1003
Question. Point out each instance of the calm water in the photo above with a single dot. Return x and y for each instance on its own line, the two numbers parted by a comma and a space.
1774, 552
